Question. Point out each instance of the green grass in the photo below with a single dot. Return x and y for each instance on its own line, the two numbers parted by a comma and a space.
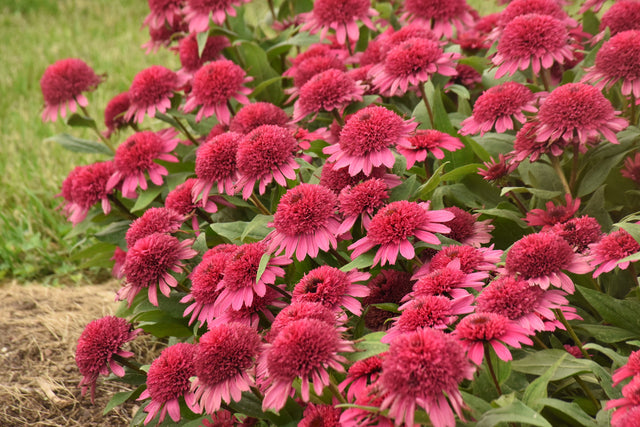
107, 35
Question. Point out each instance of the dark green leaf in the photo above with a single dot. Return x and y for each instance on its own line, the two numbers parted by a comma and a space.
607, 334
538, 388
257, 65
387, 306
620, 313
571, 410
114, 233
121, 397
460, 172
77, 120
427, 188
516, 412
146, 197
404, 191
257, 227
504, 213
78, 145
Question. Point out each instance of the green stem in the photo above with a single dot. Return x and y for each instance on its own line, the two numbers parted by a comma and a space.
555, 162
336, 392
572, 333
632, 120
426, 104
539, 342
487, 356
183, 288
518, 202
104, 140
337, 255
273, 11
184, 130
337, 116
347, 42
574, 165
202, 215
634, 274
545, 73
284, 293
587, 391
262, 208
126, 362
122, 208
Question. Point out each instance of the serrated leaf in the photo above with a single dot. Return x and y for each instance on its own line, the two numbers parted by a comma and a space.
78, 145
146, 197
516, 412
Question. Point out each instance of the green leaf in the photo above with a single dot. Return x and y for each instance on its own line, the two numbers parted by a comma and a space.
121, 397
146, 197
611, 354
265, 84
425, 189
607, 334
538, 388
262, 266
459, 90
620, 313
233, 231
595, 207
200, 245
363, 261
369, 346
538, 192
257, 65
404, 191
516, 412
387, 306
596, 174
504, 213
461, 172
257, 227
79, 121
300, 39
114, 233
78, 145
571, 410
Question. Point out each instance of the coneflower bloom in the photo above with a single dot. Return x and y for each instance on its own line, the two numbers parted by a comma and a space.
631, 168
394, 224
332, 288
527, 144
357, 417
594, 5
466, 229
497, 170
580, 233
62, 85
389, 286
264, 154
257, 114
216, 164
628, 417
223, 360
100, 340
304, 349
190, 57
305, 222
623, 406
493, 329
361, 374
154, 220
539, 259
630, 369
360, 201
148, 265
164, 11
425, 141
518, 8
411, 63
308, 66
114, 113
366, 140
260, 308
553, 214
449, 280
499, 106
471, 258
168, 381
340, 16
136, 156
180, 199
335, 179
118, 258
536, 40
163, 36
84, 187
607, 253
320, 415
577, 110
424, 368
238, 285
303, 310
213, 86
197, 13
151, 91
623, 15
326, 91
440, 15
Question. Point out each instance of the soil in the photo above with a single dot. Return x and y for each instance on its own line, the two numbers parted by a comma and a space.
39, 329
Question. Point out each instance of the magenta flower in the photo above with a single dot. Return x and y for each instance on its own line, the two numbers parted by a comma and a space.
340, 16
164, 11
623, 15
303, 310
257, 114
449, 280
625, 405
496, 170
425, 141
197, 13
180, 199
518, 8
630, 369
361, 374
114, 113
190, 57
466, 229
84, 187
607, 253
631, 168
154, 220
216, 164
260, 309
471, 258
553, 214
150, 91
361, 201
320, 415
394, 224
389, 286
440, 15
326, 91
580, 233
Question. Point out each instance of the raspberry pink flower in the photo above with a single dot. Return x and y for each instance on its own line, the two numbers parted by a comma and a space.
190, 57
471, 258
412, 63
497, 107
581, 111
154, 220
302, 310
162, 11
389, 286
213, 86
305, 67
630, 369
304, 349
332, 288
197, 13
62, 85
257, 114
526, 144
264, 154
466, 229
497, 170
180, 199
168, 381
494, 329
84, 187
358, 417
607, 253
580, 233
326, 91
553, 214
336, 179
394, 224
101, 340
151, 91
628, 417
518, 8
149, 263
539, 259
631, 168
424, 368
136, 156
340, 16
114, 113
440, 15
536, 40
623, 406
449, 280
366, 139
623, 15
425, 141
216, 164
260, 309
360, 201
320, 415
361, 374
223, 361
305, 222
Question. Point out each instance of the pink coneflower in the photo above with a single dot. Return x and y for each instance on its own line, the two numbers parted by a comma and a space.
518, 8
361, 201
326, 91
389, 286
303, 349
162, 11
190, 57
149, 263
449, 280
394, 224
526, 304
594, 5
84, 187
628, 417
361, 374
205, 278
150, 91
223, 359
411, 63
335, 179
358, 417
623, 15
440, 15
180, 199
366, 139
577, 110
497, 170
100, 340
213, 86
467, 76
539, 259
425, 141
470, 258
320, 415
62, 85
197, 13
498, 106
466, 229
260, 309
154, 220
137, 155
527, 144
553, 214
391, 39
302, 310
340, 16
494, 329
332, 288
425, 368
617, 60
163, 36
536, 40
302, 71
257, 114
631, 168
264, 154
114, 113
305, 222
118, 258
607, 253
630, 369
630, 400
216, 164
239, 283
428, 311
168, 381
579, 232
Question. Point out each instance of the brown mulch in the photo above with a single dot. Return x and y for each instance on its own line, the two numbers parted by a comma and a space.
39, 329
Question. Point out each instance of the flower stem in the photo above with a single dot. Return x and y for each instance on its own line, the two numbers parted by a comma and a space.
518, 202
184, 130
632, 120
126, 362
104, 140
202, 215
183, 288
572, 333
273, 11
337, 255
336, 392
574, 165
555, 162
487, 356
346, 40
337, 116
262, 208
423, 92
587, 391
284, 293
122, 208
545, 73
